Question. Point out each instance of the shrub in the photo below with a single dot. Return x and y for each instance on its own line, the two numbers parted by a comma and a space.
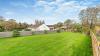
27, 29
45, 31
33, 33
58, 31
16, 33
1, 29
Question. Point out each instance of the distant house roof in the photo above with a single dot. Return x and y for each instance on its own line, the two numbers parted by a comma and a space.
42, 28
33, 26
50, 25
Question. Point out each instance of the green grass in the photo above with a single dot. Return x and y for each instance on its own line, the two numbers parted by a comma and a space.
98, 38
58, 44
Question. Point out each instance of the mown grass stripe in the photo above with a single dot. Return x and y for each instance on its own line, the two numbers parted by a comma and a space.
58, 44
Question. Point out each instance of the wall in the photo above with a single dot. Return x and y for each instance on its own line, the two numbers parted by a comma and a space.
42, 32
23, 33
10, 34
6, 34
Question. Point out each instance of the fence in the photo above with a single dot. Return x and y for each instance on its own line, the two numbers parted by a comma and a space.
23, 33
42, 32
95, 45
10, 34
6, 34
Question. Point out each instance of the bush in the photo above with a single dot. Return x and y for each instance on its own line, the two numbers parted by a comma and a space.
33, 33
1, 29
45, 32
16, 33
58, 31
27, 29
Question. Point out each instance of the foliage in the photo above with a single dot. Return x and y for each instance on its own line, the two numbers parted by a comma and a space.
59, 24
39, 22
58, 30
27, 29
1, 29
11, 24
88, 18
33, 32
16, 33
2, 18
69, 24
77, 27
45, 31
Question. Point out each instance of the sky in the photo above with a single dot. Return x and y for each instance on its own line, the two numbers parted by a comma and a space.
51, 11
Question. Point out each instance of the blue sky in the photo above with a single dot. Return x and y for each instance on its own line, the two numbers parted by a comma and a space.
52, 11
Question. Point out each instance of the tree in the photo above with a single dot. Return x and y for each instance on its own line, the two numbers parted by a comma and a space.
2, 21
10, 25
24, 25
39, 22
2, 18
1, 29
59, 24
77, 27
21, 26
12, 20
68, 23
88, 18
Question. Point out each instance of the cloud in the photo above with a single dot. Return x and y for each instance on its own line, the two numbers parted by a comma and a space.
21, 4
58, 10
49, 10
60, 7
71, 5
9, 13
45, 5
54, 11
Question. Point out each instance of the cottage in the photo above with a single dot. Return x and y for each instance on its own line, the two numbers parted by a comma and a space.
42, 28
51, 27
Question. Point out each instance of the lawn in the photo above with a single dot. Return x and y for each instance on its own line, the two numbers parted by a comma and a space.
58, 44
98, 38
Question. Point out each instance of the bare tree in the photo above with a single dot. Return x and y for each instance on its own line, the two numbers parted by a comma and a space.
39, 22
2, 18
88, 18
68, 23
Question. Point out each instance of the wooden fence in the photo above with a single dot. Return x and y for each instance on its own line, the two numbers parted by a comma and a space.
95, 45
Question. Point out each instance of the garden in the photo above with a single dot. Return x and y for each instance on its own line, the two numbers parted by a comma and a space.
58, 44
